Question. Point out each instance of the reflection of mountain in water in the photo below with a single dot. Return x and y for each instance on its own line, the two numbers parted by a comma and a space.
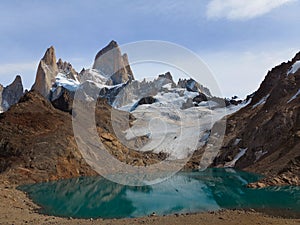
185, 192
85, 197
229, 190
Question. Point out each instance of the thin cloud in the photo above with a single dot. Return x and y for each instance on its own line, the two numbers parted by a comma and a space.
242, 9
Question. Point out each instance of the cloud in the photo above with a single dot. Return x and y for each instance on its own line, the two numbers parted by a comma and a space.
242, 9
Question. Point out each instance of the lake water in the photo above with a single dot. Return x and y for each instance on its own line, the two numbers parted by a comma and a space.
213, 189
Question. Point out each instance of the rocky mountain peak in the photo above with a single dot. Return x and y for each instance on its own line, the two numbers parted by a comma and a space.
278, 84
17, 83
193, 86
297, 57
266, 130
66, 68
11, 94
112, 45
50, 57
167, 76
111, 63
46, 73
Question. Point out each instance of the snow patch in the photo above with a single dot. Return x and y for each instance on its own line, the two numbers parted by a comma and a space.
236, 158
261, 102
95, 76
168, 86
61, 80
172, 130
237, 141
294, 97
5, 104
294, 68
259, 154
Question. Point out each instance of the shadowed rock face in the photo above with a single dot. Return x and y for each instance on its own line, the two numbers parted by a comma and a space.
11, 94
111, 63
46, 73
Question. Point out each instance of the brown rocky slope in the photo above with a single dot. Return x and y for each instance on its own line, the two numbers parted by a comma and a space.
268, 129
37, 142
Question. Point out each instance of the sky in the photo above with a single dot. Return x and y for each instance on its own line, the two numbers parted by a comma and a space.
239, 40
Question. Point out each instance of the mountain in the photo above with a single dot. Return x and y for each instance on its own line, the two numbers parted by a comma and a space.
111, 63
264, 136
111, 76
37, 142
46, 73
165, 119
11, 94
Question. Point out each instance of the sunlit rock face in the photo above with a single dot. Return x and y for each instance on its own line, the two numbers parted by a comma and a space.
111, 63
46, 73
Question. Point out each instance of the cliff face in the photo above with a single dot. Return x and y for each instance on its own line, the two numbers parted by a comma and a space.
266, 133
111, 63
46, 73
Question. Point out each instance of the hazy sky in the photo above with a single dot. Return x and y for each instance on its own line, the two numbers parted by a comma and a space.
240, 40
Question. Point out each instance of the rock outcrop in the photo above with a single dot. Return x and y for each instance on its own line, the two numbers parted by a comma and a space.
112, 64
62, 99
167, 78
67, 68
46, 73
200, 98
11, 94
144, 101
194, 86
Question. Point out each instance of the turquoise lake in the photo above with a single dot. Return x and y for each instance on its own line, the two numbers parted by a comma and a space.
198, 191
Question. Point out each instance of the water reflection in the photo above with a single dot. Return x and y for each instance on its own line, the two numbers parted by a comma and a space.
185, 192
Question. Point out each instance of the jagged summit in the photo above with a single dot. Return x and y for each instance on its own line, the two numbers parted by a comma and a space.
46, 73
112, 64
50, 57
66, 68
11, 94
113, 44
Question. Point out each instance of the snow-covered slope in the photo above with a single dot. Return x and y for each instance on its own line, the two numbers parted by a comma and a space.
177, 122
174, 123
172, 130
